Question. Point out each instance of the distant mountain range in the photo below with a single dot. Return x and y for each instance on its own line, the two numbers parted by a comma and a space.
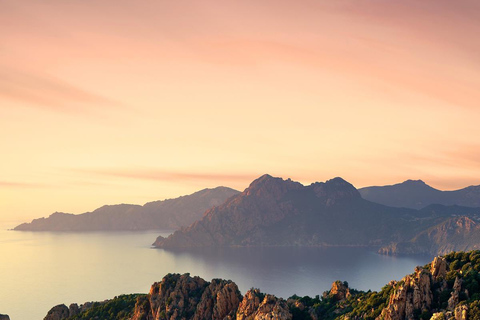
166, 214
417, 194
410, 217
277, 212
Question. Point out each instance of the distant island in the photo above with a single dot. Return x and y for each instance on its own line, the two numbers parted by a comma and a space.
157, 215
277, 212
447, 288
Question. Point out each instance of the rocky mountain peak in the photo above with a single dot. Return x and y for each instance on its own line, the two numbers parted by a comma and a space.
415, 182
267, 184
335, 189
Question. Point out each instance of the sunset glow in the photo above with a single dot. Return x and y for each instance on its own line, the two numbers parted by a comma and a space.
106, 102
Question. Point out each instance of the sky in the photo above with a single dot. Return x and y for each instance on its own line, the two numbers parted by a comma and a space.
116, 101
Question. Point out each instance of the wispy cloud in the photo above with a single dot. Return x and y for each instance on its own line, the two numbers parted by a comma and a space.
12, 184
47, 92
169, 176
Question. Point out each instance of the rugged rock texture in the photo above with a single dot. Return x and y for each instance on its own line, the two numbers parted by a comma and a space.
439, 268
184, 297
61, 311
253, 307
416, 194
167, 214
455, 298
339, 291
413, 293
461, 312
453, 234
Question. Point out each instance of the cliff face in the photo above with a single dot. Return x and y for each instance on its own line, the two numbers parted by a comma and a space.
61, 311
184, 297
421, 291
277, 212
454, 234
167, 214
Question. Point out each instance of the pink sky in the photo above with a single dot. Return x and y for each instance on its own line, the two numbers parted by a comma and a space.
105, 102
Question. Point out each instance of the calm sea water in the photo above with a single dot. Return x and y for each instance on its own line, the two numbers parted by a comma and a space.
41, 270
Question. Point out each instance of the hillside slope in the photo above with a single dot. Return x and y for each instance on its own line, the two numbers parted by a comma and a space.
277, 212
416, 194
166, 214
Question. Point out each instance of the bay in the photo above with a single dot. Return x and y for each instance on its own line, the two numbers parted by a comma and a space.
41, 270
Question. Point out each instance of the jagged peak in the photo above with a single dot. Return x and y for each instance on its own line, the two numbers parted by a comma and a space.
414, 182
335, 189
267, 181
338, 181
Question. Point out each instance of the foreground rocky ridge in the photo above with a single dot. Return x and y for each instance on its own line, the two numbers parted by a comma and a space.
448, 288
277, 212
166, 214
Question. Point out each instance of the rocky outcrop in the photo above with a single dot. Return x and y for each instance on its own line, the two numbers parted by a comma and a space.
455, 297
184, 297
339, 291
461, 312
219, 301
165, 214
414, 292
256, 306
439, 268
61, 311
58, 312
4, 317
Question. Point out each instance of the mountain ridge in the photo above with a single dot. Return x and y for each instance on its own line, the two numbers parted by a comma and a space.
155, 215
277, 212
416, 194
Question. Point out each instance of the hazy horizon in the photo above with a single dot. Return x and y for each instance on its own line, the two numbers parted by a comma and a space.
125, 102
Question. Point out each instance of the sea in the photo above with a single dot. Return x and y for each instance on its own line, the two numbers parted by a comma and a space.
39, 270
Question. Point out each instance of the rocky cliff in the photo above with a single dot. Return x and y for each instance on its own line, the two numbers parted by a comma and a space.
454, 234
448, 288
166, 214
277, 212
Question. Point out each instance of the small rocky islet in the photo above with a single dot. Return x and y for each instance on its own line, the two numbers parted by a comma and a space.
447, 288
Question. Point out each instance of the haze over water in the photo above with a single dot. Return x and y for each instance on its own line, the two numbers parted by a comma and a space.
41, 270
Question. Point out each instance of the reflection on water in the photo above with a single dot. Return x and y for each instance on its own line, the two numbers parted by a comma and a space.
46, 269
293, 270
